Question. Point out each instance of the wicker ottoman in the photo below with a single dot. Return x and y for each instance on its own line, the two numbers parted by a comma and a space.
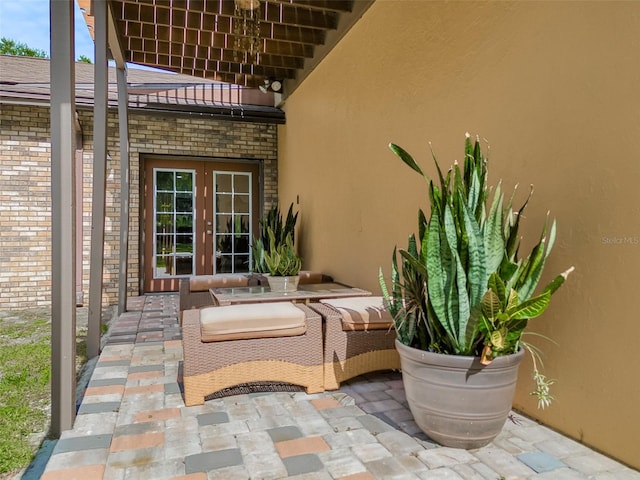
279, 342
358, 338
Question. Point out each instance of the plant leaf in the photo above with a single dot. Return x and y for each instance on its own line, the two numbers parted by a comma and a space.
491, 305
403, 155
476, 269
437, 271
513, 300
414, 261
493, 242
497, 339
557, 282
496, 284
531, 308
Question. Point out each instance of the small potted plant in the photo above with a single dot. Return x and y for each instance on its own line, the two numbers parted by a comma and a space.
281, 228
461, 297
283, 264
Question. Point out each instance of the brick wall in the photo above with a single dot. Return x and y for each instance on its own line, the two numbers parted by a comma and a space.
25, 206
25, 198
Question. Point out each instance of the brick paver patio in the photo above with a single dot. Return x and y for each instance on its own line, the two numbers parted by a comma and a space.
133, 424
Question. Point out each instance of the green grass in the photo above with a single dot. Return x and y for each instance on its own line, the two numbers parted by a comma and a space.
25, 383
25, 373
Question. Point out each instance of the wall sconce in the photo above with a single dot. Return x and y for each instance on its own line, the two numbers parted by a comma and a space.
273, 85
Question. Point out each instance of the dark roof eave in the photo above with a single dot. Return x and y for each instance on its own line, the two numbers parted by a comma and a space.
245, 113
241, 113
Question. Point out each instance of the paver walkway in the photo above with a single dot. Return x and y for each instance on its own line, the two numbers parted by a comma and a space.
133, 424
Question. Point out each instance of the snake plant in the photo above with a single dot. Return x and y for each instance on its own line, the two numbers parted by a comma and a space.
461, 287
261, 244
281, 259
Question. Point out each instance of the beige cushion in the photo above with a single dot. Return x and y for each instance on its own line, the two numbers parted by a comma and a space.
202, 283
260, 320
362, 313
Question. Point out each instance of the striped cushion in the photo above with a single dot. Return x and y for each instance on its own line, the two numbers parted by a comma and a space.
362, 313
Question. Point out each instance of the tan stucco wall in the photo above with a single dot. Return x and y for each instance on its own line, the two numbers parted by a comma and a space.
554, 87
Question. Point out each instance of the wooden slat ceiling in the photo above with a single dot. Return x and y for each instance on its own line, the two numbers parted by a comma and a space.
195, 37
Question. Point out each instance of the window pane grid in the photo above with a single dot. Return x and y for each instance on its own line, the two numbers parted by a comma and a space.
232, 220
174, 192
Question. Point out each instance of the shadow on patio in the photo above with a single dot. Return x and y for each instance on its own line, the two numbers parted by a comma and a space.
133, 424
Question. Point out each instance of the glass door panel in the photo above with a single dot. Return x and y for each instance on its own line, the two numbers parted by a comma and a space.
198, 218
233, 221
174, 232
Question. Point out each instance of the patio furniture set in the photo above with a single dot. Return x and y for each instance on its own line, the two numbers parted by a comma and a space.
195, 290
316, 338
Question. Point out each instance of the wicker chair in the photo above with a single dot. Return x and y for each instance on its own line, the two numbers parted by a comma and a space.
310, 276
251, 343
358, 338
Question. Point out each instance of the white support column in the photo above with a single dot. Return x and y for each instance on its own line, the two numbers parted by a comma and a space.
99, 177
124, 187
63, 261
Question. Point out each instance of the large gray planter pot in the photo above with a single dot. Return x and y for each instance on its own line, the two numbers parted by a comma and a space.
455, 400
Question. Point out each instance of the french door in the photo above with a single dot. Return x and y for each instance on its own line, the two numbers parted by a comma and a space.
200, 217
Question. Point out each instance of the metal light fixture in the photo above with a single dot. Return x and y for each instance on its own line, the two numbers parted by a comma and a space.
246, 32
274, 85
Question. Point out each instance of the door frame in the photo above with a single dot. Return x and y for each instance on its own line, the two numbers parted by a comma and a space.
203, 199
